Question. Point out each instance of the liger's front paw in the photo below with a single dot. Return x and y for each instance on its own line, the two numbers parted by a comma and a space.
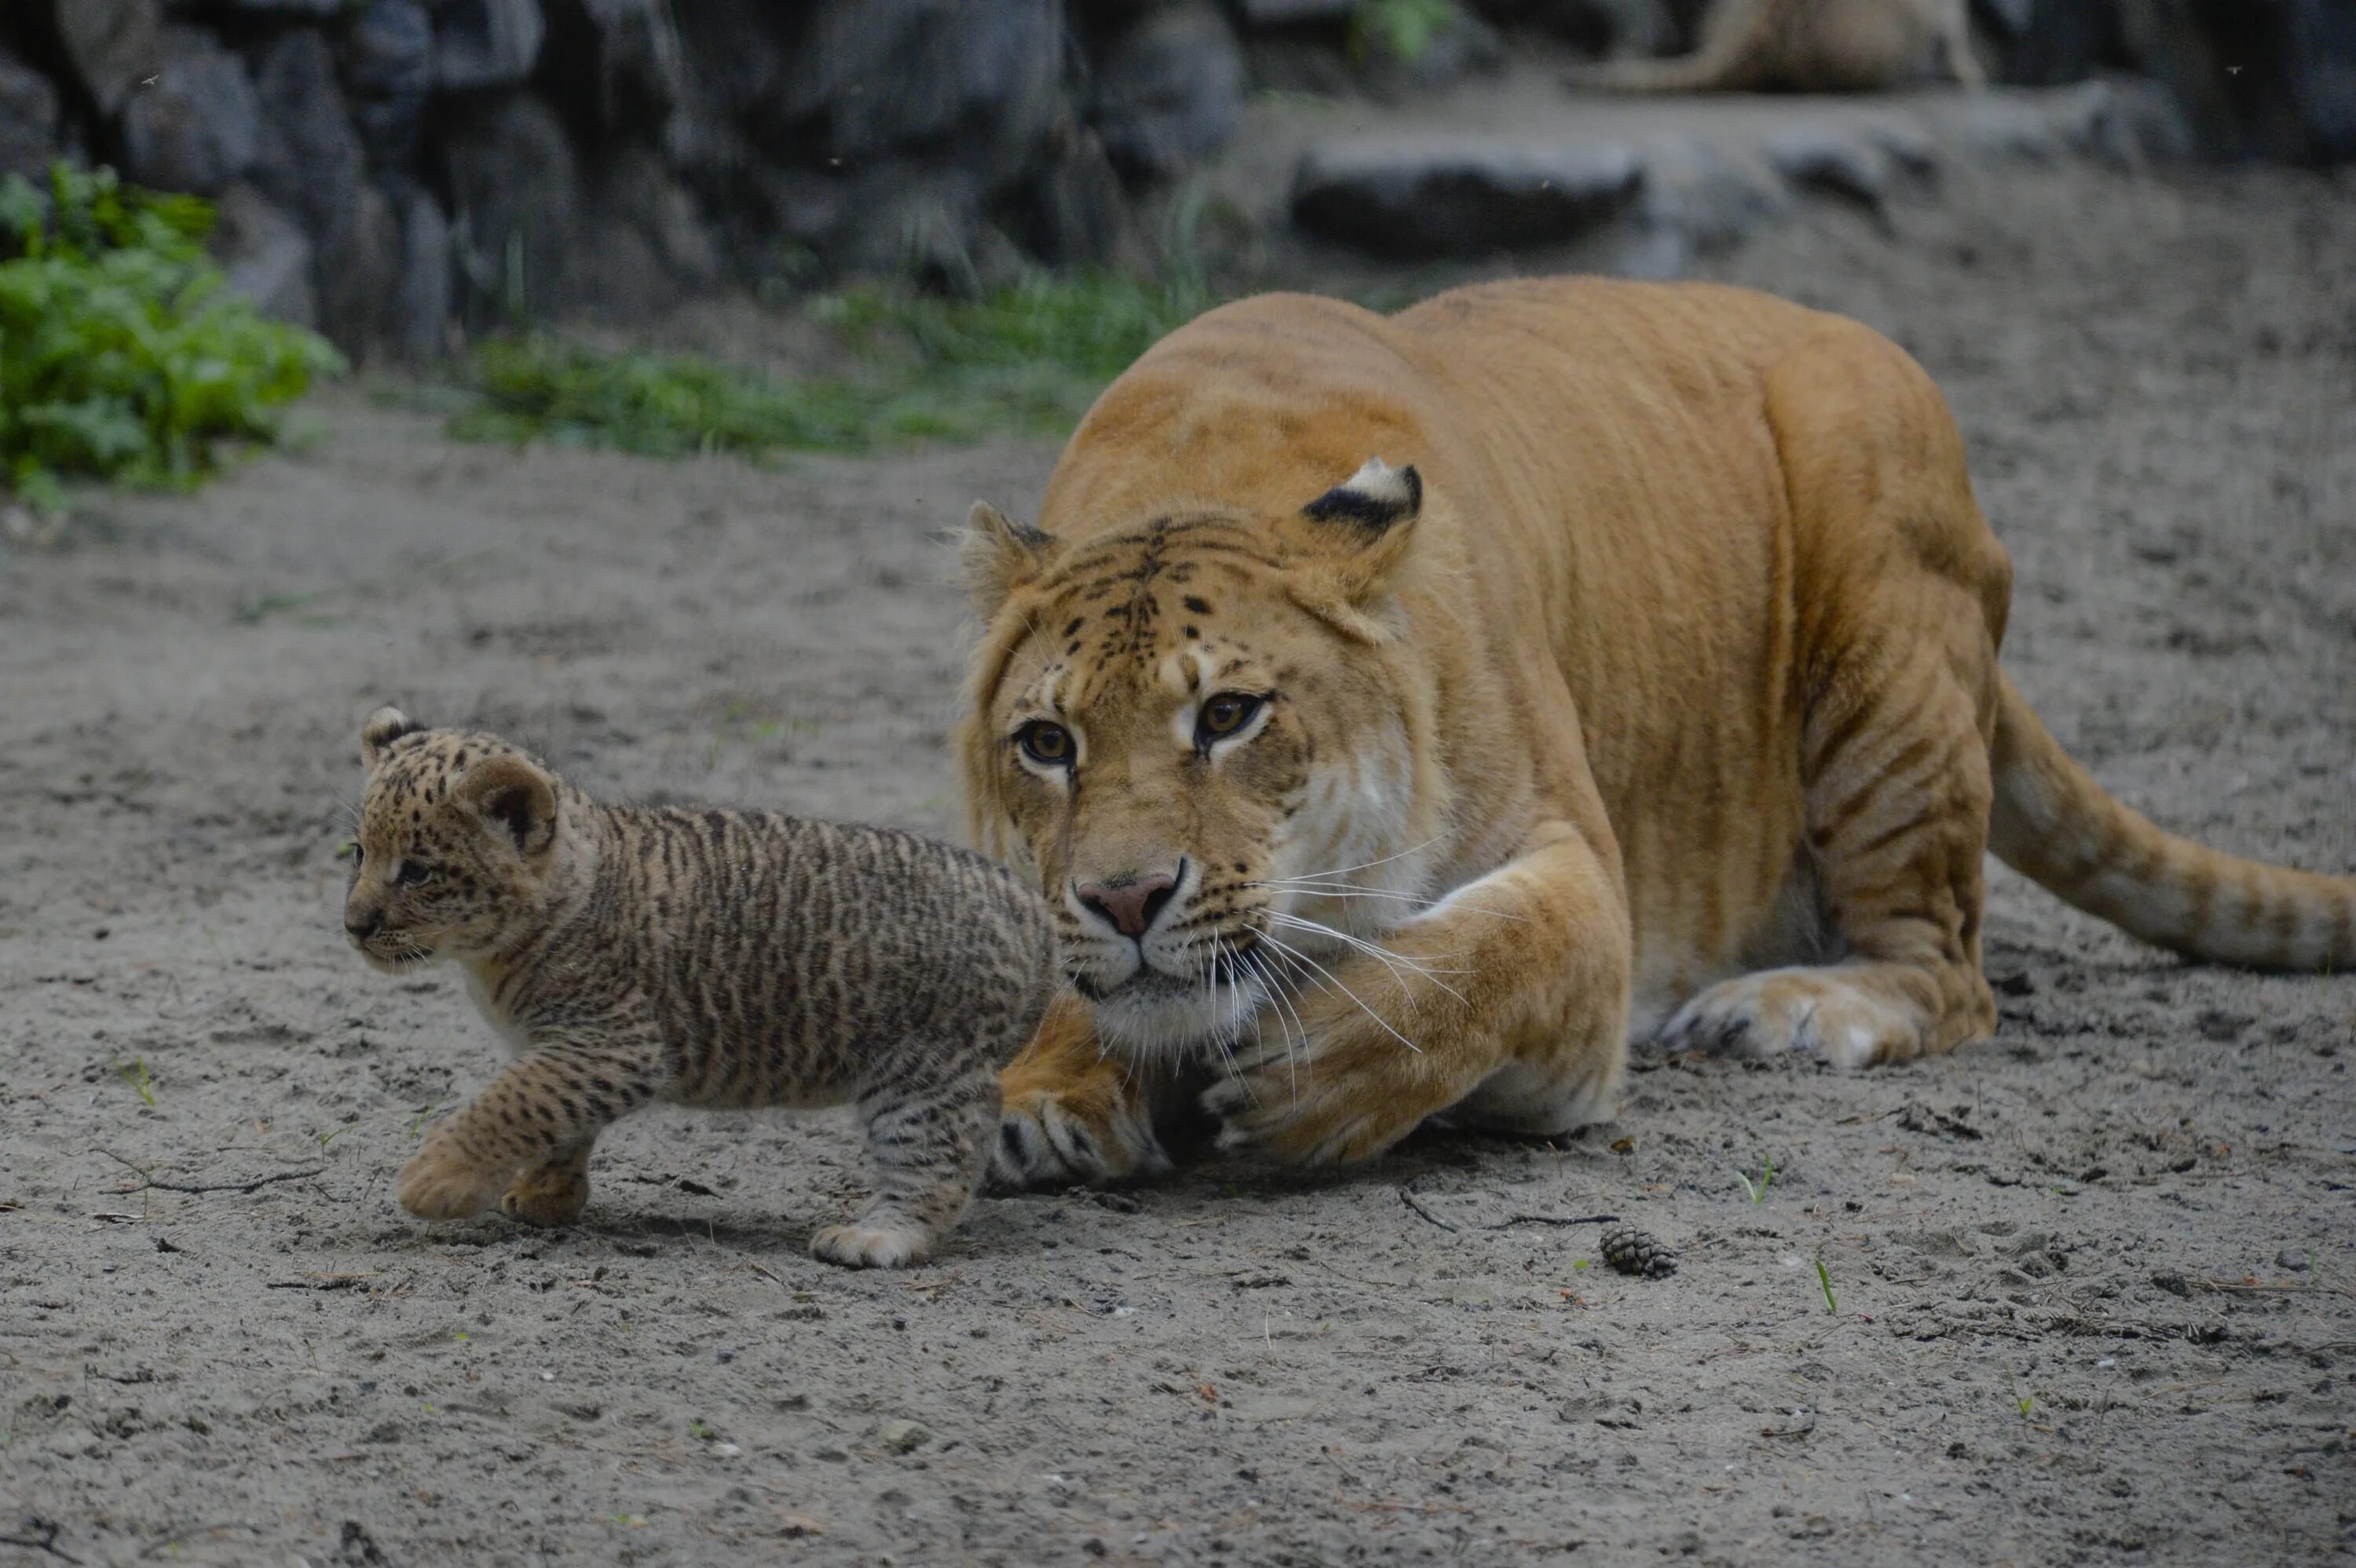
548, 1195
1818, 1012
872, 1246
1350, 1093
440, 1182
1048, 1140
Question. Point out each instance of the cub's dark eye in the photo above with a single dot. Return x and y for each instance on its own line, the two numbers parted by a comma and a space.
1223, 715
1046, 743
413, 874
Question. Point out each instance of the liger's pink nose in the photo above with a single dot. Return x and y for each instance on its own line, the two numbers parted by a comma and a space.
1129, 904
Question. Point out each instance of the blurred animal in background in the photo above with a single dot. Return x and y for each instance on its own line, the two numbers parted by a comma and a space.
1806, 46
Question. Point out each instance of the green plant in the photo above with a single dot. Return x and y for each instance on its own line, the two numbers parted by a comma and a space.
121, 356
134, 1073
1825, 1279
2025, 1403
1758, 1189
1028, 359
1402, 30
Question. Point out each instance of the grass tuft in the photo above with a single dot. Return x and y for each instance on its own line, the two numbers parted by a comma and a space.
1027, 360
1824, 1280
134, 1073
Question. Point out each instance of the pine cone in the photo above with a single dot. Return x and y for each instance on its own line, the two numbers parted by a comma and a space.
1631, 1251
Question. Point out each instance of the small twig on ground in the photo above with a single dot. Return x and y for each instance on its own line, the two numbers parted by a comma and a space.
46, 1541
147, 1180
1408, 1197
1552, 1220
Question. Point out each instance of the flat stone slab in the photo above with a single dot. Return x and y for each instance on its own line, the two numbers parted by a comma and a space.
1523, 164
1451, 195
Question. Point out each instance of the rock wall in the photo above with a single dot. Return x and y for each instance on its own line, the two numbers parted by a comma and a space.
401, 172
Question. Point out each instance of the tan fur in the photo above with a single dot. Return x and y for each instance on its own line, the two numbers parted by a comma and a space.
1661, 698
1806, 46
703, 957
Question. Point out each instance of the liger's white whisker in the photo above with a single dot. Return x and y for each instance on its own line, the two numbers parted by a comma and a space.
1283, 1008
1370, 865
1396, 963
1283, 947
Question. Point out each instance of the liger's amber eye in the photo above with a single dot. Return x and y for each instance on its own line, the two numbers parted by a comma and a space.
1223, 715
1046, 743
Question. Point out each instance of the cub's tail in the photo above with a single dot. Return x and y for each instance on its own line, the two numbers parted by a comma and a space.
2053, 822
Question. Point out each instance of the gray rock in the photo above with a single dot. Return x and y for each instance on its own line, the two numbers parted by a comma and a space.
2292, 1258
29, 118
2045, 43
359, 275
1289, 13
266, 256
112, 45
481, 44
312, 166
387, 55
1459, 194
1701, 198
388, 49
198, 128
1167, 88
2294, 94
901, 1436
1077, 210
311, 162
649, 245
981, 82
635, 58
1827, 159
421, 325
516, 201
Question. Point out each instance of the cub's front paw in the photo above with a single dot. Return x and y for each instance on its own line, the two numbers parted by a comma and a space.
872, 1246
440, 1182
548, 1195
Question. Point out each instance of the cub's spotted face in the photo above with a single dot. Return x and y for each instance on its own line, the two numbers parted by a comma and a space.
454, 840
1185, 731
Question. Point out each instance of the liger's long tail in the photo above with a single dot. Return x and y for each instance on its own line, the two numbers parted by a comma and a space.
2053, 823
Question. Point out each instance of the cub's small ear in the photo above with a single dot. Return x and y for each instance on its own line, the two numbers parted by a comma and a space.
384, 726
518, 799
1000, 555
1378, 497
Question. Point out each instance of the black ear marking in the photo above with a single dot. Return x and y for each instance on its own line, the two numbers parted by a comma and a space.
383, 727
1376, 498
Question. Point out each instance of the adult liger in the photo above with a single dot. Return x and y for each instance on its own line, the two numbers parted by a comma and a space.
1403, 713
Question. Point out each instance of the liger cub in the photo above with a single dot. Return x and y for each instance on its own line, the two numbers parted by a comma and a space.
728, 959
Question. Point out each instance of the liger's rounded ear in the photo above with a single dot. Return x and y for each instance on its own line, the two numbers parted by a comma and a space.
513, 798
1354, 544
384, 726
1000, 555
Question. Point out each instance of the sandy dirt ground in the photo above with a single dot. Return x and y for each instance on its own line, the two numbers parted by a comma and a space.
2093, 1278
